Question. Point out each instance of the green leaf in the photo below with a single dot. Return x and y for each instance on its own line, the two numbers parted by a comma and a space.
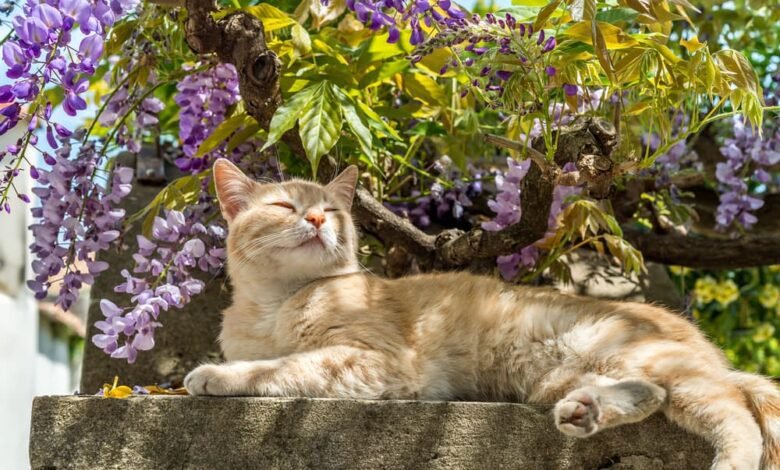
614, 37
119, 34
246, 133
320, 46
301, 39
602, 54
384, 71
178, 194
221, 133
376, 122
355, 123
376, 49
583, 10
428, 128
333, 71
320, 124
272, 17
530, 3
617, 15
561, 271
425, 89
288, 113
545, 13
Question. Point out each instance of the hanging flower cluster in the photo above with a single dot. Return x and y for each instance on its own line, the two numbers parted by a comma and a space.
167, 265
124, 101
378, 14
205, 98
59, 43
506, 204
76, 219
42, 52
747, 155
478, 41
184, 244
441, 203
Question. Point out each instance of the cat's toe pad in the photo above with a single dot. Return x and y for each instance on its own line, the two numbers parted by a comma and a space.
577, 414
209, 379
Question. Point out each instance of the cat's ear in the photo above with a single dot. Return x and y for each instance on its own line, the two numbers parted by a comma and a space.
233, 188
343, 186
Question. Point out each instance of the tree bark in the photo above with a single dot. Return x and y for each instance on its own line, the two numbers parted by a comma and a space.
706, 252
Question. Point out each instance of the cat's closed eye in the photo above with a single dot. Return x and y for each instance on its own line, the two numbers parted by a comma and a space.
284, 204
331, 209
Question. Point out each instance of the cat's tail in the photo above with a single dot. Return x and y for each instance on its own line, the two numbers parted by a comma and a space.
764, 399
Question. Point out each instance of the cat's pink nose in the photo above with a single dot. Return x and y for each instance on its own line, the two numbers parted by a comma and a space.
315, 218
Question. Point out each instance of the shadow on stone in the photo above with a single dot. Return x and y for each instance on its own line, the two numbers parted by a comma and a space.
268, 433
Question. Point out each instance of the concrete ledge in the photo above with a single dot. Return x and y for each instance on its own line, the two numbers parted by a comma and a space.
265, 433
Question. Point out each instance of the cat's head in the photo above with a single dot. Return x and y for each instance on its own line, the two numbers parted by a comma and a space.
296, 230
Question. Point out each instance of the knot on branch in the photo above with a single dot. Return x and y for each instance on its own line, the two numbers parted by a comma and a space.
447, 236
243, 37
201, 31
596, 172
588, 142
265, 70
605, 133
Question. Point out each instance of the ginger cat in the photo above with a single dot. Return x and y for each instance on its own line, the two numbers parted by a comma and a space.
305, 321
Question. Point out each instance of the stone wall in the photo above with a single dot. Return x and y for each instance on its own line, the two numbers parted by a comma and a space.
267, 433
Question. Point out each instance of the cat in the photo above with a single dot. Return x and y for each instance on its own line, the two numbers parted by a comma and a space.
306, 321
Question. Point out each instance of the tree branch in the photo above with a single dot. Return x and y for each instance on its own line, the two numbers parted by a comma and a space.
707, 252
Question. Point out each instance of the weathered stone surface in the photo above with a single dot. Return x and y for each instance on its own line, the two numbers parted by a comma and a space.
265, 433
188, 336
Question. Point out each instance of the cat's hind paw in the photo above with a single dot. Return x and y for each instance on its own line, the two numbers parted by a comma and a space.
577, 415
210, 379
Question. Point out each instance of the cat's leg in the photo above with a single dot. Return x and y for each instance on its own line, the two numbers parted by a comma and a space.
589, 409
717, 410
337, 372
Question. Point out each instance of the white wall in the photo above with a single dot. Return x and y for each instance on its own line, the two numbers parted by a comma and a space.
34, 357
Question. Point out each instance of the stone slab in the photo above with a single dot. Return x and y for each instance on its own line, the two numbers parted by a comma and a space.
267, 433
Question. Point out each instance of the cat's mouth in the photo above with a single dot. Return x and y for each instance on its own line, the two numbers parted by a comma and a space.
314, 242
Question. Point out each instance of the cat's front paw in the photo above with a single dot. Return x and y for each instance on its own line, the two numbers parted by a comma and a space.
211, 379
577, 415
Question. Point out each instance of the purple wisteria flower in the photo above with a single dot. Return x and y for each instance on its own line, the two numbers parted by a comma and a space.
163, 278
482, 42
75, 220
42, 51
441, 203
378, 14
204, 98
184, 245
747, 154
168, 269
509, 265
120, 103
506, 204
